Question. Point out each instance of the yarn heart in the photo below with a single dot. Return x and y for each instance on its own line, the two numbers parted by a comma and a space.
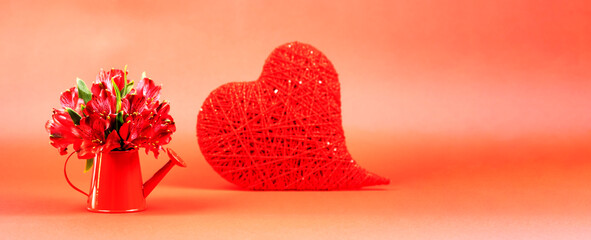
283, 131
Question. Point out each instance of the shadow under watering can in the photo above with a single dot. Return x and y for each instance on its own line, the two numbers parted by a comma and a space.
116, 184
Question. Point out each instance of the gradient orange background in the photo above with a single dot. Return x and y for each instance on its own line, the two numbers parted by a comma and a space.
478, 111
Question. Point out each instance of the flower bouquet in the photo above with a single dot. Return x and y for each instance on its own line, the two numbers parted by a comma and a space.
111, 115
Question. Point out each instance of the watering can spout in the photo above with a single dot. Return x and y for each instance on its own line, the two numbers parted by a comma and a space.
159, 175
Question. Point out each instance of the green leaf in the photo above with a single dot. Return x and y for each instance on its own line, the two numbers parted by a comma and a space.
125, 75
117, 94
83, 91
120, 117
127, 88
143, 75
74, 115
89, 163
119, 120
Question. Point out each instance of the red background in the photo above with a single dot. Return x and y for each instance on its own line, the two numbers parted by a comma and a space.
478, 111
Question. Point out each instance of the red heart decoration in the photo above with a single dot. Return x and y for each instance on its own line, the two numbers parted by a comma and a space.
283, 131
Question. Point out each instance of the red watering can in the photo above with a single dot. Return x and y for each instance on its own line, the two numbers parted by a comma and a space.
116, 184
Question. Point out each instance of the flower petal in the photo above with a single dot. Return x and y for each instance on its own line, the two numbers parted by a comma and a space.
69, 99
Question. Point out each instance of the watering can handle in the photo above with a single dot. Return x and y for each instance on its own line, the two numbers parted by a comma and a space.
68, 180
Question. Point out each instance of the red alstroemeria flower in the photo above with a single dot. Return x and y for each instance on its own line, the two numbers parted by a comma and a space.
70, 99
62, 131
103, 80
136, 103
160, 129
92, 131
149, 90
149, 130
163, 124
102, 104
